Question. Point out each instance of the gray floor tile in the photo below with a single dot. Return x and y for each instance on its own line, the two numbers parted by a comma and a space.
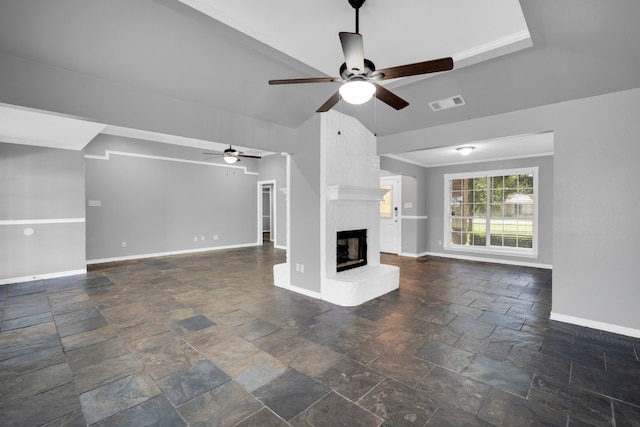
399, 404
445, 355
468, 335
283, 395
188, 383
454, 389
501, 375
505, 409
223, 406
117, 396
335, 410
157, 412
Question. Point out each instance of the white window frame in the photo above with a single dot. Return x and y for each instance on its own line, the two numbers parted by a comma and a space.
488, 249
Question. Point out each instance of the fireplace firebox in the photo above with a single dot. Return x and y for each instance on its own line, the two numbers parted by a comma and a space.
351, 249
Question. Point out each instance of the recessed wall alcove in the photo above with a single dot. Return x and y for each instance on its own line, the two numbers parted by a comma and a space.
334, 187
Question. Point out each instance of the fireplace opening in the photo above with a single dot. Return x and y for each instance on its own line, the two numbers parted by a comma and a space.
351, 249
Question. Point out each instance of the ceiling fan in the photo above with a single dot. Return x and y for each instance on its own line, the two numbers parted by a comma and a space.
359, 76
230, 155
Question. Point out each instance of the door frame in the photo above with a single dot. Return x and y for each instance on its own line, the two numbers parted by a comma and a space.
272, 199
398, 182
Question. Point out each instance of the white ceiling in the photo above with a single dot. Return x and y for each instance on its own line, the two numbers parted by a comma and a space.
179, 140
167, 48
467, 31
470, 32
29, 127
521, 146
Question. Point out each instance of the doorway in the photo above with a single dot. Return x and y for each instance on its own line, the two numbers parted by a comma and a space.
266, 212
390, 224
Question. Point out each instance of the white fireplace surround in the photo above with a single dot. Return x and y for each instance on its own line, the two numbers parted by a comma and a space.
347, 192
349, 200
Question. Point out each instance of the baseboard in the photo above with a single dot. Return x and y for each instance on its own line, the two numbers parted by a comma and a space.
594, 324
482, 259
413, 255
159, 254
279, 247
42, 276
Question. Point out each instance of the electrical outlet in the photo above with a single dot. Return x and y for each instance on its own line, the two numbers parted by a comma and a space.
124, 244
439, 242
202, 238
301, 268
297, 266
195, 239
215, 237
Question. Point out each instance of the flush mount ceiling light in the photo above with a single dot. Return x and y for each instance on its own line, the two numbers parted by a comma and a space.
465, 151
357, 91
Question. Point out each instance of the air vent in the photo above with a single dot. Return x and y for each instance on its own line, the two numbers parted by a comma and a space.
443, 104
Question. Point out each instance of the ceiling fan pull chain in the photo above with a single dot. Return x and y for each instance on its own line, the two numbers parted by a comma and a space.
375, 117
340, 116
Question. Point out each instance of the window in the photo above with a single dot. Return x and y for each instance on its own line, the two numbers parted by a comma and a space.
492, 211
386, 202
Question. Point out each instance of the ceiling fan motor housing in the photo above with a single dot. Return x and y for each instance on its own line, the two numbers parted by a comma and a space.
346, 74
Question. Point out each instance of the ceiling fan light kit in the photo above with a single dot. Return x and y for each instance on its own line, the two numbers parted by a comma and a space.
230, 155
359, 76
230, 159
357, 91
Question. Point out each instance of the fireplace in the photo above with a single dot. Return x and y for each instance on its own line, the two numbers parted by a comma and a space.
351, 249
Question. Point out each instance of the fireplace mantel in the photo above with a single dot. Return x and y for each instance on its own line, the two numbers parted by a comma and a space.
347, 192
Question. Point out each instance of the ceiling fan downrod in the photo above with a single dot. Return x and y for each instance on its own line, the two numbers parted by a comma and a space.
357, 4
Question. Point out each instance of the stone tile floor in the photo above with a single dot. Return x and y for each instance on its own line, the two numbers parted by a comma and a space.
206, 340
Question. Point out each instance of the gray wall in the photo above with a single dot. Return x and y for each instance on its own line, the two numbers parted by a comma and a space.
435, 208
414, 190
161, 198
274, 167
44, 185
595, 244
305, 206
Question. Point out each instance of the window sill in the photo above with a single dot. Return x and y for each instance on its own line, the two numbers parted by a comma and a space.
521, 253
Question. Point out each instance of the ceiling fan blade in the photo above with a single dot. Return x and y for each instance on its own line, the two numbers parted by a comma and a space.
306, 80
390, 98
330, 103
213, 154
353, 51
249, 156
433, 66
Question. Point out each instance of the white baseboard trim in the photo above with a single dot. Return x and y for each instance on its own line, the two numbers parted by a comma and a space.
481, 259
413, 255
594, 324
42, 276
159, 254
280, 247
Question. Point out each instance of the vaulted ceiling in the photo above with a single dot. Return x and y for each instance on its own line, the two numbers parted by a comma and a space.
509, 55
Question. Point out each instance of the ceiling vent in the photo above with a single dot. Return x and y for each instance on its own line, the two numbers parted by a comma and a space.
443, 104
